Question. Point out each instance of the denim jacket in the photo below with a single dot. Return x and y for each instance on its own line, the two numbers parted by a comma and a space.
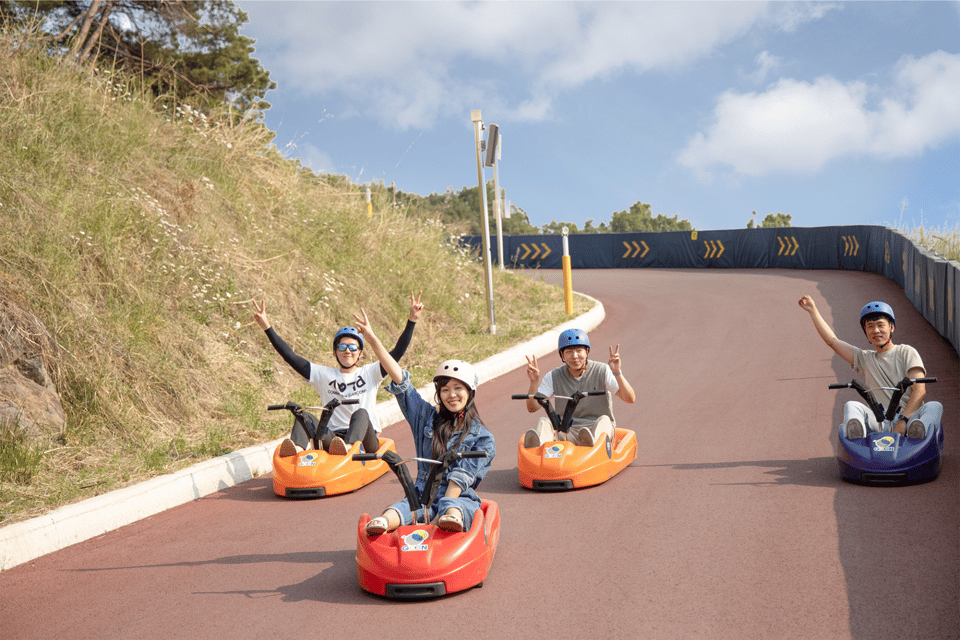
419, 413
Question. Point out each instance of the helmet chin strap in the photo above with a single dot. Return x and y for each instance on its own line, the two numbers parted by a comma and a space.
343, 366
889, 340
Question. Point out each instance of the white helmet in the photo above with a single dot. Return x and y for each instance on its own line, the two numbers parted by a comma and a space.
459, 370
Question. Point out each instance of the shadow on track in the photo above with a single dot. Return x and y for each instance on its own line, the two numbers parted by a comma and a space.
256, 490
502, 482
812, 472
336, 584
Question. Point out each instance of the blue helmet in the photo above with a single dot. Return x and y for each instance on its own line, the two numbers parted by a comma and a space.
347, 331
573, 338
876, 308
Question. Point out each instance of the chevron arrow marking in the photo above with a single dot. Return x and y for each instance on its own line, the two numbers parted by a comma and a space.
634, 251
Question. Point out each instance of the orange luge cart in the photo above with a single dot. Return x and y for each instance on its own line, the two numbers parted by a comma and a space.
560, 466
315, 473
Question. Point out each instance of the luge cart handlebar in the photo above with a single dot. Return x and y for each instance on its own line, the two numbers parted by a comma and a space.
559, 424
309, 422
398, 466
878, 411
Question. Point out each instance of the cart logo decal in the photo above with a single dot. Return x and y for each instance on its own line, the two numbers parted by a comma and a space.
308, 459
554, 451
883, 444
415, 541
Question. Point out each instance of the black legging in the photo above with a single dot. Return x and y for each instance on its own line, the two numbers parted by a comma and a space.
360, 429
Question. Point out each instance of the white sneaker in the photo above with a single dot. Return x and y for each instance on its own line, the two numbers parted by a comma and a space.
531, 439
585, 438
916, 430
855, 430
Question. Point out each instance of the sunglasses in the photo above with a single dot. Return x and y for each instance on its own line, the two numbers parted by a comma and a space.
348, 347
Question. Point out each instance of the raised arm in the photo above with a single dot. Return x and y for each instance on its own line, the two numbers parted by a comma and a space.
387, 362
416, 308
299, 364
533, 373
843, 349
625, 392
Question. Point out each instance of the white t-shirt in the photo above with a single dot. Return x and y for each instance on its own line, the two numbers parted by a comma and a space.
362, 384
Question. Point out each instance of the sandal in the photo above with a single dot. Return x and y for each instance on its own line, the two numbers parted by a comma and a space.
376, 526
451, 522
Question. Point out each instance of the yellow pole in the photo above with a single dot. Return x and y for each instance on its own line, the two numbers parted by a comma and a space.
567, 277
369, 204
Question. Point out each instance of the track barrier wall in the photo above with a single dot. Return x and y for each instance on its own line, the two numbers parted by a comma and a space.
930, 282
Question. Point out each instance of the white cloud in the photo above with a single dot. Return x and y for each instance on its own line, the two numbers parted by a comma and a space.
642, 36
788, 16
922, 109
765, 64
408, 64
798, 127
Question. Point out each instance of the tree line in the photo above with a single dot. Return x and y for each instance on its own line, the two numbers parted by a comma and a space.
461, 210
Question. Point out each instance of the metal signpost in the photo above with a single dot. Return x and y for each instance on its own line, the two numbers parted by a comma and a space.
493, 160
477, 128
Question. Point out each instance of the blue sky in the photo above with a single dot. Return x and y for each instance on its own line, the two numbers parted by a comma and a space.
835, 113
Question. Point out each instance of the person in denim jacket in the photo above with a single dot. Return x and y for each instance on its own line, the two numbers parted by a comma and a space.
454, 423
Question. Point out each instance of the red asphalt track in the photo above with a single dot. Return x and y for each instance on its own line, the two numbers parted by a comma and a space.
731, 522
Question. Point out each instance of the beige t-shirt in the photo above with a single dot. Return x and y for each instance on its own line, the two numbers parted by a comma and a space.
887, 369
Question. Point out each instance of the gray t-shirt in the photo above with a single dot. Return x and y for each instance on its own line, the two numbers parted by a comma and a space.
597, 377
887, 369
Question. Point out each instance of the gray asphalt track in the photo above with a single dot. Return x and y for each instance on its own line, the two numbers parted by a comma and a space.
731, 523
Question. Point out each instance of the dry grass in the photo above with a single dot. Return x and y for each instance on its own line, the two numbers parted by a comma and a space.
942, 242
140, 239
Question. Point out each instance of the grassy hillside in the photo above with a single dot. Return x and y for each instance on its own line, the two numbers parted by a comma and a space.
140, 239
